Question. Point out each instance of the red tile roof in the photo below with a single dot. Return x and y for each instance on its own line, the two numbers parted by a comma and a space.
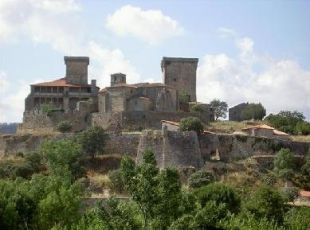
304, 193
279, 133
62, 82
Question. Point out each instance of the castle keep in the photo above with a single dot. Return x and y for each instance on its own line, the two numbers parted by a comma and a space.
128, 106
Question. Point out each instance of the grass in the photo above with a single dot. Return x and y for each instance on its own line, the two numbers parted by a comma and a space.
230, 126
301, 138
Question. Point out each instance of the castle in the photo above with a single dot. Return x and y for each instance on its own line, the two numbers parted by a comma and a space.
123, 105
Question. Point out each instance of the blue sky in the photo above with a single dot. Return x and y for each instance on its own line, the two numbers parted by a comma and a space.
256, 51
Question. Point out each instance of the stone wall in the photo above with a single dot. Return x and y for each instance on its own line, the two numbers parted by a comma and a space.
234, 147
123, 144
171, 149
12, 144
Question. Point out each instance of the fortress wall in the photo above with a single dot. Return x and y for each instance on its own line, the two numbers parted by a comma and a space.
126, 144
36, 121
25, 143
234, 147
171, 149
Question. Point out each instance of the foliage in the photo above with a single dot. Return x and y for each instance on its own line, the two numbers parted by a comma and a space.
266, 202
200, 178
197, 108
284, 163
298, 218
253, 111
191, 124
219, 108
220, 194
289, 194
63, 156
116, 183
302, 128
93, 141
23, 167
64, 126
39, 203
287, 121
248, 221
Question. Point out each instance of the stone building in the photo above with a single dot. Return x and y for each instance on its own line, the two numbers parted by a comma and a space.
144, 105
120, 105
265, 131
64, 93
235, 113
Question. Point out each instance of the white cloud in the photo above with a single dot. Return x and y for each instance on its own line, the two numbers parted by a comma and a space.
107, 61
277, 84
151, 26
12, 98
47, 21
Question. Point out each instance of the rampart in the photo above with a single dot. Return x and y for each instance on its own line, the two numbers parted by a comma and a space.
172, 149
139, 120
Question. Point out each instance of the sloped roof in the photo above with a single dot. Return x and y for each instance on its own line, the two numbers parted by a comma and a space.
62, 82
304, 193
279, 133
170, 122
263, 126
137, 85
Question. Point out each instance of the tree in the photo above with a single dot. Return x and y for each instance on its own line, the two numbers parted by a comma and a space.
63, 156
219, 108
93, 141
266, 202
220, 194
286, 121
191, 124
200, 178
284, 164
253, 111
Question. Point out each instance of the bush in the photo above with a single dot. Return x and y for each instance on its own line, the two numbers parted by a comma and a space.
289, 194
303, 128
64, 126
200, 178
266, 202
93, 141
220, 194
191, 124
298, 218
116, 183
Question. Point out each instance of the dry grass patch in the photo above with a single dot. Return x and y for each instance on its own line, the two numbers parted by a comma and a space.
301, 138
230, 126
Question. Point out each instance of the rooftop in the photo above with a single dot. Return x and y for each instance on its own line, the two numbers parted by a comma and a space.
62, 82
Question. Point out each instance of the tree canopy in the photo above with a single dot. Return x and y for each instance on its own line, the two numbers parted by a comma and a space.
219, 108
191, 124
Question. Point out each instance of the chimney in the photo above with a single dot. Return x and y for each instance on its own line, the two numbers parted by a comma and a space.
77, 70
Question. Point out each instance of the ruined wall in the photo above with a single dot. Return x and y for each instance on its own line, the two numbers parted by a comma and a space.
36, 121
171, 149
12, 144
234, 147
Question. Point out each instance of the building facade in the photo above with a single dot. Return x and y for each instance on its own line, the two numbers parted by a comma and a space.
64, 93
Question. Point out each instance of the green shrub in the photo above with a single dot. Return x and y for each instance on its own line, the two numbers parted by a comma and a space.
266, 202
303, 128
64, 126
191, 124
200, 178
220, 194
289, 194
116, 183
298, 218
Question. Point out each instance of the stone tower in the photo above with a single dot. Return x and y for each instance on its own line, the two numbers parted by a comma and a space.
180, 73
77, 70
118, 78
